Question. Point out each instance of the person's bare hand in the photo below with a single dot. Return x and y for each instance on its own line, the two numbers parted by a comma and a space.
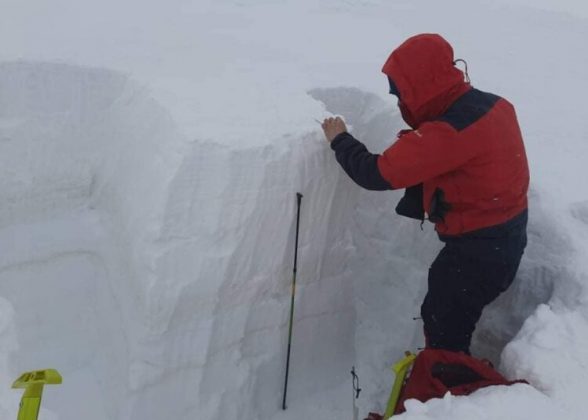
333, 127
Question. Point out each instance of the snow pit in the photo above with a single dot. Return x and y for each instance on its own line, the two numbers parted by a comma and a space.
114, 229
112, 224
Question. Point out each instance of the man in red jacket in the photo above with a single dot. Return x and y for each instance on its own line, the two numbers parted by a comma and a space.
463, 164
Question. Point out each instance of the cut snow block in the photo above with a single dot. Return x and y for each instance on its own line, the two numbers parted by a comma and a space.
33, 383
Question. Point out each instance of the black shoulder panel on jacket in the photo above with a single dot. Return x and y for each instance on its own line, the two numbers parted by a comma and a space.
358, 163
469, 108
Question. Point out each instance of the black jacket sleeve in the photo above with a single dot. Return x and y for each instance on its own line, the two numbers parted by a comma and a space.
358, 163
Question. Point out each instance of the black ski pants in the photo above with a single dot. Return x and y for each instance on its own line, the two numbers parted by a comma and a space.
469, 273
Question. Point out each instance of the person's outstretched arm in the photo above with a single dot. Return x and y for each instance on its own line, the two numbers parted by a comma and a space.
353, 156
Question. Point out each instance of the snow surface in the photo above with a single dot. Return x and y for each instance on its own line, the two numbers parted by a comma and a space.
150, 155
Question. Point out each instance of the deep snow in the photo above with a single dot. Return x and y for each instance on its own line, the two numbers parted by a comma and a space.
150, 156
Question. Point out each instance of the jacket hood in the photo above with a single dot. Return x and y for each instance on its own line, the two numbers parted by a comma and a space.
426, 81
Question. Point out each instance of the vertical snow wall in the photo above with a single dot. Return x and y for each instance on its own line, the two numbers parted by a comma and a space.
153, 270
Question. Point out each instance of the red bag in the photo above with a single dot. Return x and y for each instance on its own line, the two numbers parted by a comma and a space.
435, 372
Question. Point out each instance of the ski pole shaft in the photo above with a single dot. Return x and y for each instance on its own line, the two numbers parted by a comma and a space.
298, 202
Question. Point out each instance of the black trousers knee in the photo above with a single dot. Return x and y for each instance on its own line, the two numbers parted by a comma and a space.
469, 273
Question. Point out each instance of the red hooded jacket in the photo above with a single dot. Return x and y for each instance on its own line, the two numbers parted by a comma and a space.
465, 148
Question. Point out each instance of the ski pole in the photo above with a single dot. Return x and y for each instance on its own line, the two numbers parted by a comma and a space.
298, 200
